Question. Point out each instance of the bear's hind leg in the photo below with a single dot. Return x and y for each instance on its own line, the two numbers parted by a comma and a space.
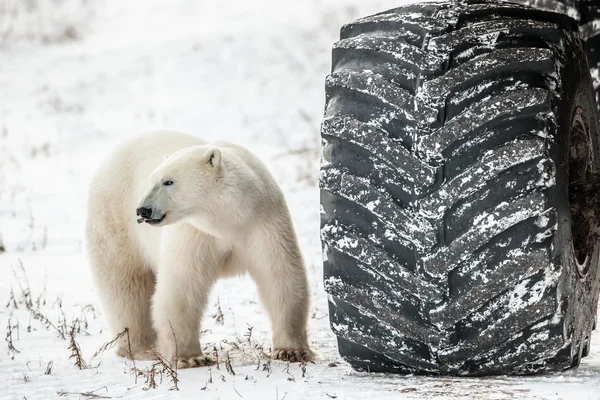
125, 288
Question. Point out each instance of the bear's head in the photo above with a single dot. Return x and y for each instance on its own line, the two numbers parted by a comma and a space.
184, 185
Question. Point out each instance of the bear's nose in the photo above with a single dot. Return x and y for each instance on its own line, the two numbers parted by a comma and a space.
144, 212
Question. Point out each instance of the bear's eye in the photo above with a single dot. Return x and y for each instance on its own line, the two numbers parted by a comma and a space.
167, 183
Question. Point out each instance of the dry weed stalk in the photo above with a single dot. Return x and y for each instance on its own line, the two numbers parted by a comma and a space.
218, 316
91, 394
267, 367
84, 314
12, 300
49, 368
167, 369
75, 349
174, 378
150, 377
248, 334
131, 354
291, 377
110, 344
238, 393
12, 351
228, 366
25, 291
41, 299
62, 318
26, 299
256, 349
216, 354
38, 316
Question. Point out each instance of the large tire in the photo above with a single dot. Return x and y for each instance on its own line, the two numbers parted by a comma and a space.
460, 145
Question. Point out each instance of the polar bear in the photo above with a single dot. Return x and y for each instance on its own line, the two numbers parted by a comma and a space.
204, 211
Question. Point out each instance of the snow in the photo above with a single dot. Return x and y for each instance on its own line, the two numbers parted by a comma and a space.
77, 78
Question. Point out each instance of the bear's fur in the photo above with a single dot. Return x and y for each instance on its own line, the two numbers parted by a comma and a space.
223, 214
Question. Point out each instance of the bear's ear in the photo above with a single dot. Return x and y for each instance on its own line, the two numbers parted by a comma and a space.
212, 157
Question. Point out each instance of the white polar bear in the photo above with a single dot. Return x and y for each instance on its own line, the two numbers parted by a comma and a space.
208, 210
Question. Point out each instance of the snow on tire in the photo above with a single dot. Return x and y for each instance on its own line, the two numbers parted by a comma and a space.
460, 142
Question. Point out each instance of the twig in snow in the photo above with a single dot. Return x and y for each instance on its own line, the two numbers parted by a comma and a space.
62, 318
135, 370
151, 377
41, 299
291, 377
84, 314
248, 334
168, 369
174, 376
11, 299
38, 316
216, 354
12, 351
238, 393
76, 350
26, 299
89, 394
267, 367
228, 366
218, 316
111, 343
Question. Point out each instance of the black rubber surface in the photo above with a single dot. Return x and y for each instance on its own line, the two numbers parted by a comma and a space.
460, 141
587, 14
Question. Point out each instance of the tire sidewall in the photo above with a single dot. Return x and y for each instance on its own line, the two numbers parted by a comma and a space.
577, 295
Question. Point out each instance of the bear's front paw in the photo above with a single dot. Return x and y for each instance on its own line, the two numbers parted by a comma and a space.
293, 355
193, 362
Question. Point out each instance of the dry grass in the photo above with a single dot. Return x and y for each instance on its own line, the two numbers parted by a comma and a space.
91, 394
228, 366
12, 351
111, 343
167, 368
218, 316
85, 310
49, 368
248, 334
150, 377
12, 301
267, 367
26, 300
75, 349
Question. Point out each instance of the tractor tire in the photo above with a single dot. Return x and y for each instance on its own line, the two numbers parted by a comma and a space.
459, 215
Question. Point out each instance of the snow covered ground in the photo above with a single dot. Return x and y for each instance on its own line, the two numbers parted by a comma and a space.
78, 76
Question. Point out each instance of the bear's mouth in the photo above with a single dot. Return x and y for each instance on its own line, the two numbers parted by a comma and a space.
151, 221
